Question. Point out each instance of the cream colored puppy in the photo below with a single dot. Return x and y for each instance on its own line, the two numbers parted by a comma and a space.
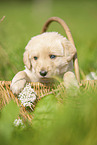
46, 55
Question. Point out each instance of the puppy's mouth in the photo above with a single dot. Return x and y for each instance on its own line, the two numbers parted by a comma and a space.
46, 80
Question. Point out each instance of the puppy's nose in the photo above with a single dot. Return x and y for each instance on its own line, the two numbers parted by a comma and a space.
43, 73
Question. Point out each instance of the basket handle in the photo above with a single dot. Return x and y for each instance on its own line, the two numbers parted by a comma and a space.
70, 38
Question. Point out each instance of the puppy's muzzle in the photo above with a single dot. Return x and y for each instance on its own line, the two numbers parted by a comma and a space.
43, 73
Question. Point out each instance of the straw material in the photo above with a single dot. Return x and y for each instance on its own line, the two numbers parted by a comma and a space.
41, 90
86, 84
6, 95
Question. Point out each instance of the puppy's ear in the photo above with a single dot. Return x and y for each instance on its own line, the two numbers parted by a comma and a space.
69, 49
26, 59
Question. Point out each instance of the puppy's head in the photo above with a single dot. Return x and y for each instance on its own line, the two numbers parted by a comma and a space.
49, 54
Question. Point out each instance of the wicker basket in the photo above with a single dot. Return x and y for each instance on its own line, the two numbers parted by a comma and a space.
6, 95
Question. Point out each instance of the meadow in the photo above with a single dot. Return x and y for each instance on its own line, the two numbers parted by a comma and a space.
74, 120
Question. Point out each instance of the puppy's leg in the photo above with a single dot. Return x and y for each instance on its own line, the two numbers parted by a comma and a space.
18, 82
71, 83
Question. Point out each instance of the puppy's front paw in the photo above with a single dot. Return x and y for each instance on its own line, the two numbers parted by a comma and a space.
70, 80
71, 83
18, 86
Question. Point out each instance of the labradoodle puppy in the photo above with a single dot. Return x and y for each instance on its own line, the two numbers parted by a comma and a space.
46, 55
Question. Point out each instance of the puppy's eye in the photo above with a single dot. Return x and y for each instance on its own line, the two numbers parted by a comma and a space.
35, 57
52, 56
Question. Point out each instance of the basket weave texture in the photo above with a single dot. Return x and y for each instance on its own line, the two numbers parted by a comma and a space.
41, 90
6, 95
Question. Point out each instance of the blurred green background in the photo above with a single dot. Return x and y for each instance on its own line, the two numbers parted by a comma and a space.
25, 19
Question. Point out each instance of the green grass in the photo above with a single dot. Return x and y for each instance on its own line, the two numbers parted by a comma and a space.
74, 121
